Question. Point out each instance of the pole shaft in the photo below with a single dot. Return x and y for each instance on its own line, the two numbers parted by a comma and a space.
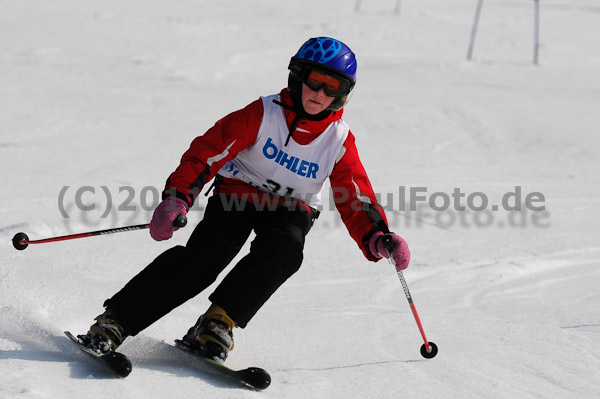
413, 308
474, 29
88, 234
536, 33
388, 244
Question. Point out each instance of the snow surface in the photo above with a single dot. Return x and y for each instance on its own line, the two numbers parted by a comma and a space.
110, 94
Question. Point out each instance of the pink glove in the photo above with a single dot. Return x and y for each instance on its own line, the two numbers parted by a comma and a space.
161, 226
400, 253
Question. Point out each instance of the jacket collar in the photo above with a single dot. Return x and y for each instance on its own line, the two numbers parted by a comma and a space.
301, 123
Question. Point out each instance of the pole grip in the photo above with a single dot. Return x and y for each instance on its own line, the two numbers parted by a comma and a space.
388, 242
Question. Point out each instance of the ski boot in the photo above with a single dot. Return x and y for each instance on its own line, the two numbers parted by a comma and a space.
212, 335
106, 334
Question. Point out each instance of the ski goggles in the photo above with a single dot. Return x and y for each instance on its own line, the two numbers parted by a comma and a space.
334, 86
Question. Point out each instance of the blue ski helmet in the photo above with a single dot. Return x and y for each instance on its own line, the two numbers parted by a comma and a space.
328, 55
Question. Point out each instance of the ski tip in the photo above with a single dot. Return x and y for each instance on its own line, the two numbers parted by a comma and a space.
120, 364
70, 336
256, 377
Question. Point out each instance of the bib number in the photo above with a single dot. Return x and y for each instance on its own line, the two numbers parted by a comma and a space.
275, 188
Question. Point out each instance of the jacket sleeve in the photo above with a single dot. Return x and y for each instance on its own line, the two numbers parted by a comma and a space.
354, 198
209, 152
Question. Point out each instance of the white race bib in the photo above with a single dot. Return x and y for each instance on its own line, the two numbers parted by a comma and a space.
296, 171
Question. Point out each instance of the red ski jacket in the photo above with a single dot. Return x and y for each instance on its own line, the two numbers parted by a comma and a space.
351, 189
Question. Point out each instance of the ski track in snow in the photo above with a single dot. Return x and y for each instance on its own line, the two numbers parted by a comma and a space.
111, 94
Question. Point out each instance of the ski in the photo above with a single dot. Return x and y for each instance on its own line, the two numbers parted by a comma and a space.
252, 377
115, 362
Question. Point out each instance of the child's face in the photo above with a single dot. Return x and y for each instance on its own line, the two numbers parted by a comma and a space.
315, 102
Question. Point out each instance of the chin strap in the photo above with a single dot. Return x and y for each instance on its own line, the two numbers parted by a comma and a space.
299, 115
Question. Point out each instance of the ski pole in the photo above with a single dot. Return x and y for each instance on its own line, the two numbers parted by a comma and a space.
428, 349
21, 240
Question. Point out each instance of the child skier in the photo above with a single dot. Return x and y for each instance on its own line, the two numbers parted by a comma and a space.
269, 161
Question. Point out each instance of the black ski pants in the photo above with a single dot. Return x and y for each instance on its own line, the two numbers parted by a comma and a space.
182, 272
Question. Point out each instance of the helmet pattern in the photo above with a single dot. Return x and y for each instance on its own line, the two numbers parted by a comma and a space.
320, 49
